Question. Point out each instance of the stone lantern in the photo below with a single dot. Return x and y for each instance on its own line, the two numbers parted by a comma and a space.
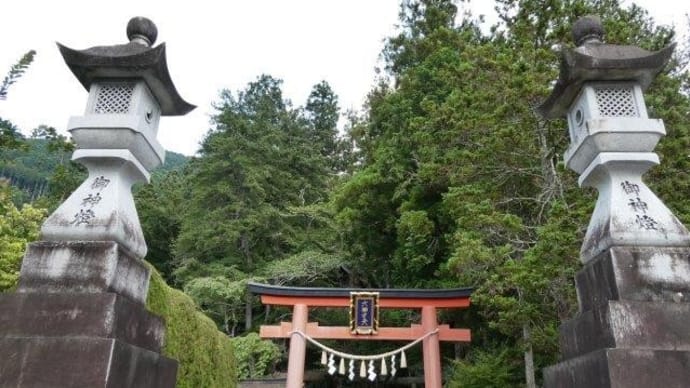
129, 89
631, 329
78, 318
612, 139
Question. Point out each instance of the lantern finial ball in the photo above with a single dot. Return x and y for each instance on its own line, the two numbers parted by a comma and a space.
588, 29
142, 30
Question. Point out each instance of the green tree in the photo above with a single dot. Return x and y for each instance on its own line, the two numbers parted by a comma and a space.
18, 227
10, 136
322, 114
238, 185
255, 169
220, 297
160, 206
255, 357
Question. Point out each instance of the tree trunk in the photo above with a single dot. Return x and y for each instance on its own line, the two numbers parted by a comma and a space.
248, 312
553, 188
529, 357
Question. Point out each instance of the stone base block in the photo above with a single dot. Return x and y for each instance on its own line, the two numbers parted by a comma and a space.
77, 362
635, 273
83, 267
628, 324
622, 368
90, 315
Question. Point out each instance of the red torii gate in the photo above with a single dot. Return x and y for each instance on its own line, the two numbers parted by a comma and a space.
302, 298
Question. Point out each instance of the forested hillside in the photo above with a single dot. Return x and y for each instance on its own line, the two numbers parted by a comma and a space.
39, 166
446, 178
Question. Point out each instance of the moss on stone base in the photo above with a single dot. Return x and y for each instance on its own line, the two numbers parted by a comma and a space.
205, 355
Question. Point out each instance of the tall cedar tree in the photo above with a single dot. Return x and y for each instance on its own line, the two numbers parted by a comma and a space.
262, 160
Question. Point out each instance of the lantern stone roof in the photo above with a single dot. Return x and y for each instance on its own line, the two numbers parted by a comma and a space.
133, 60
594, 60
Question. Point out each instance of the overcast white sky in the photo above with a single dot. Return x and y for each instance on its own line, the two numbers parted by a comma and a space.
210, 46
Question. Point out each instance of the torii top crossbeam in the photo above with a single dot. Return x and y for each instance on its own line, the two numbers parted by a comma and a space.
340, 297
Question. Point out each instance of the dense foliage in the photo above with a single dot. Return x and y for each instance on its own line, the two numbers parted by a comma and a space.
17, 228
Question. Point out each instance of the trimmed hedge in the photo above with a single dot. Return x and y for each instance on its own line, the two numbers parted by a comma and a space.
205, 355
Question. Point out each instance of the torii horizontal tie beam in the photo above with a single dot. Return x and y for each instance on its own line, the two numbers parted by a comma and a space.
313, 330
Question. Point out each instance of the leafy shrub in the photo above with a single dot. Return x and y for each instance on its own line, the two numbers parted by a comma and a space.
17, 228
483, 370
255, 357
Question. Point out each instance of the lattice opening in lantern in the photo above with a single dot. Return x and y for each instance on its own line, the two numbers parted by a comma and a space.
114, 98
616, 102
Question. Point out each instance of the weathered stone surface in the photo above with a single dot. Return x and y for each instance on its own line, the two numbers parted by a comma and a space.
622, 368
122, 132
593, 60
143, 28
628, 324
102, 208
81, 362
627, 212
86, 267
636, 274
612, 134
129, 61
90, 315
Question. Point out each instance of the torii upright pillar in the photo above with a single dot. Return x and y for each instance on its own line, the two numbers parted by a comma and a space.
301, 299
431, 349
298, 346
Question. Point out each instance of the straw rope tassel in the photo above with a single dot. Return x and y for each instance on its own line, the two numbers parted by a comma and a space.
324, 359
341, 369
384, 370
362, 369
403, 360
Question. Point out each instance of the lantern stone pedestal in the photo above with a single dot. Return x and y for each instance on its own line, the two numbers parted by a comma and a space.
78, 320
78, 317
633, 292
632, 330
